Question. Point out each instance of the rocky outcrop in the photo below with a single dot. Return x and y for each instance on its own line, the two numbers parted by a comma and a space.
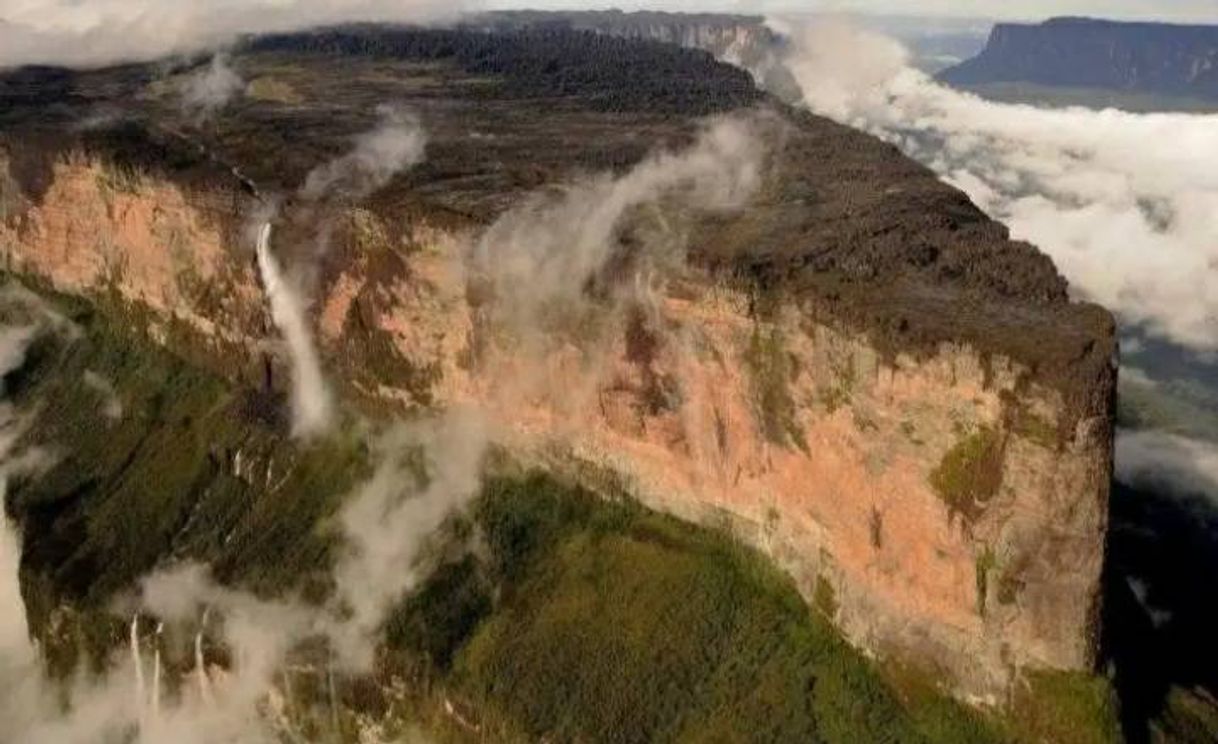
741, 40
857, 372
1084, 53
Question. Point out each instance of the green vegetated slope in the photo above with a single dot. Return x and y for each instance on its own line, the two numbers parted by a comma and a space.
191, 469
613, 623
564, 615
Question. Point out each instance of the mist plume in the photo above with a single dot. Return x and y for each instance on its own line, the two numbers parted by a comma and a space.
395, 144
547, 249
211, 88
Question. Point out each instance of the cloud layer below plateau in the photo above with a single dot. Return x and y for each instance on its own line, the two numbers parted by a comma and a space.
1126, 204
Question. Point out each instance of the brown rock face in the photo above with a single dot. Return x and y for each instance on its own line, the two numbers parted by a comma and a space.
856, 372
943, 505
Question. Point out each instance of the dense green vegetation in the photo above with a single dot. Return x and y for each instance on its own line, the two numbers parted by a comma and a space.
970, 473
190, 469
556, 611
1066, 706
606, 72
595, 620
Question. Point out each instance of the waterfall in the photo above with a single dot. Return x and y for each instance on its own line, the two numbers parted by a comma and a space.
200, 664
139, 667
156, 673
311, 403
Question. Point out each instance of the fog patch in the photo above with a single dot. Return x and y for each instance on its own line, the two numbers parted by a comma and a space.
425, 471
555, 279
1135, 376
212, 88
101, 32
398, 142
1141, 592
22, 306
546, 250
1156, 460
14, 343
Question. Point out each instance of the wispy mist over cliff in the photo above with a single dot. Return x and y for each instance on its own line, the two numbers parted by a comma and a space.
102, 32
211, 88
395, 144
548, 248
424, 472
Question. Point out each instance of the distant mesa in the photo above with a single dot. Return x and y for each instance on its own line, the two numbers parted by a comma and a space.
1156, 59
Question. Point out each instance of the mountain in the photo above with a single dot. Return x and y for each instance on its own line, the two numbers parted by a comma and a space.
741, 40
1095, 55
765, 397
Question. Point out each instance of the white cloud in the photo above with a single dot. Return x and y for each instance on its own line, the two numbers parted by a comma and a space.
112, 404
1197, 11
390, 518
385, 526
97, 32
1152, 459
212, 87
1126, 204
398, 142
547, 248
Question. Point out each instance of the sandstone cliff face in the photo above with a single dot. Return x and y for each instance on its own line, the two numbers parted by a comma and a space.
140, 247
944, 505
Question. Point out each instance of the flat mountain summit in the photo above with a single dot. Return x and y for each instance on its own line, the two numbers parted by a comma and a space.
1145, 58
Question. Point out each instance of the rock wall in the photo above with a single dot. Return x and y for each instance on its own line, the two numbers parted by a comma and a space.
943, 507
741, 40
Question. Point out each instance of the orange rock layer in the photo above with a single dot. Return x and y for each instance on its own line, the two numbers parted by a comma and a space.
932, 506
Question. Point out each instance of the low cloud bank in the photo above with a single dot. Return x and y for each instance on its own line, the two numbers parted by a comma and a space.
101, 32
1126, 204
1179, 465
